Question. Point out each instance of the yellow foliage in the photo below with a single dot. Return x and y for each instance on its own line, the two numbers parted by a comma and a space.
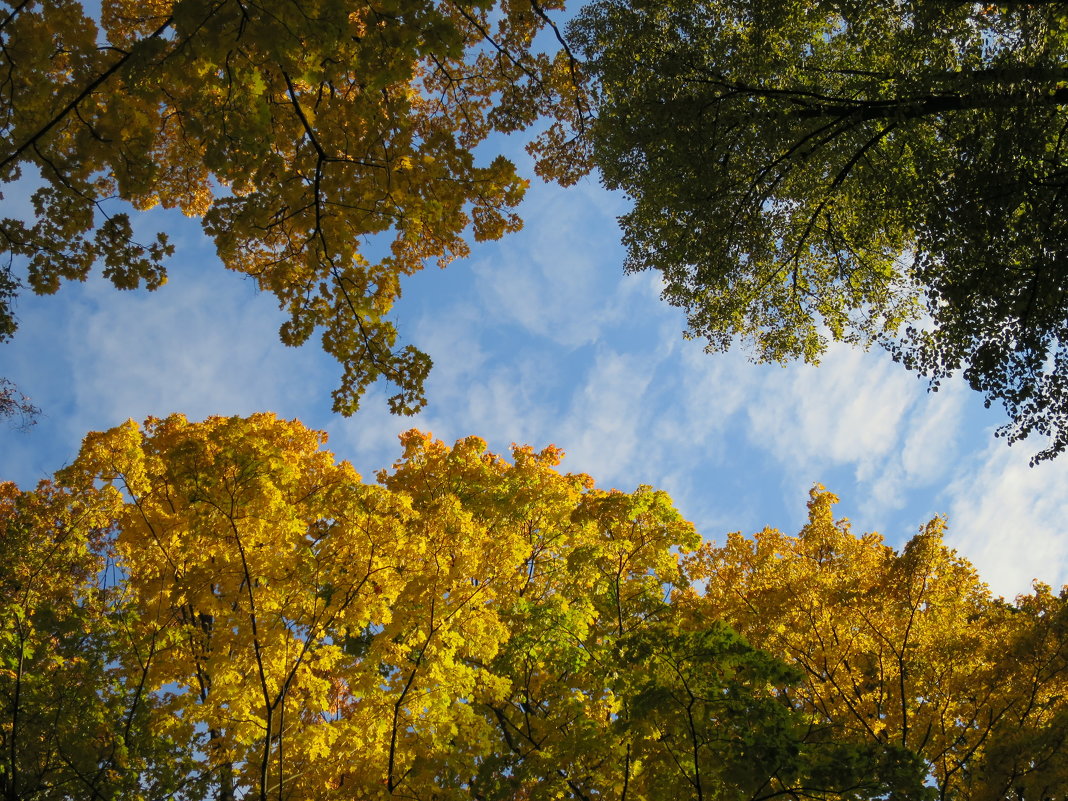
901, 647
323, 634
222, 606
296, 131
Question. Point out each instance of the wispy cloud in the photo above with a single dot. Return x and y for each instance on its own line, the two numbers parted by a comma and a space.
1009, 518
203, 344
558, 279
541, 339
848, 411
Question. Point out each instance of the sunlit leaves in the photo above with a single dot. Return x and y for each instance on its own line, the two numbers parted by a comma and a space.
327, 147
308, 633
905, 648
221, 608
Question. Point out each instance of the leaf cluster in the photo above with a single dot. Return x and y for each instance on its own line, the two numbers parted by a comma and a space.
220, 609
326, 146
903, 648
868, 172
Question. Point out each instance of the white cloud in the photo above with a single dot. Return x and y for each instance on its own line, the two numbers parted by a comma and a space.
201, 347
931, 443
603, 427
553, 279
1009, 519
848, 410
713, 388
205, 343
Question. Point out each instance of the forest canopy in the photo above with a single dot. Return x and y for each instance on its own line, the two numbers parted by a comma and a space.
222, 610
873, 172
326, 147
878, 173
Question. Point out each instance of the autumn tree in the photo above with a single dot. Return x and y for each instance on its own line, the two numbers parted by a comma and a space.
708, 713
73, 725
867, 172
467, 628
326, 146
904, 647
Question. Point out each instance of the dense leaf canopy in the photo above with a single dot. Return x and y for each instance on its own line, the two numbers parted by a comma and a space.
873, 172
220, 610
905, 647
326, 145
870, 171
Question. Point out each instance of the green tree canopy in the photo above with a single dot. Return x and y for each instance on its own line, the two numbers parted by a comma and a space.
866, 171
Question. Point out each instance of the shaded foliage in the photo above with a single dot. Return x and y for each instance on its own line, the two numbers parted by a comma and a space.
870, 172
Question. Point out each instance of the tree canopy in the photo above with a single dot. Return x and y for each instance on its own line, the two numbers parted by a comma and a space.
871, 172
904, 647
327, 147
875, 173
222, 610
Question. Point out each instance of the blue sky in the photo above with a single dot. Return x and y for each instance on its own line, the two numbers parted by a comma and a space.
540, 338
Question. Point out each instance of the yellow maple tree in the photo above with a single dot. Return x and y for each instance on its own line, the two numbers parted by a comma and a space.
327, 146
221, 609
906, 648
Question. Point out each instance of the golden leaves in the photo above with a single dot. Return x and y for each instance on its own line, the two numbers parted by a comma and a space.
901, 647
477, 626
324, 633
294, 135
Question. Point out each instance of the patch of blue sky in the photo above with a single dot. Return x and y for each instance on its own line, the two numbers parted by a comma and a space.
540, 338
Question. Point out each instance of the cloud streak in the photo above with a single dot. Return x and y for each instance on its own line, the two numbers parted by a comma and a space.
540, 339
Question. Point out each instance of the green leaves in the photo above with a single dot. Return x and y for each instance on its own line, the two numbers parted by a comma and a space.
709, 716
803, 172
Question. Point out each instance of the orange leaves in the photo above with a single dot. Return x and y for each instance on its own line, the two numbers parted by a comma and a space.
295, 133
